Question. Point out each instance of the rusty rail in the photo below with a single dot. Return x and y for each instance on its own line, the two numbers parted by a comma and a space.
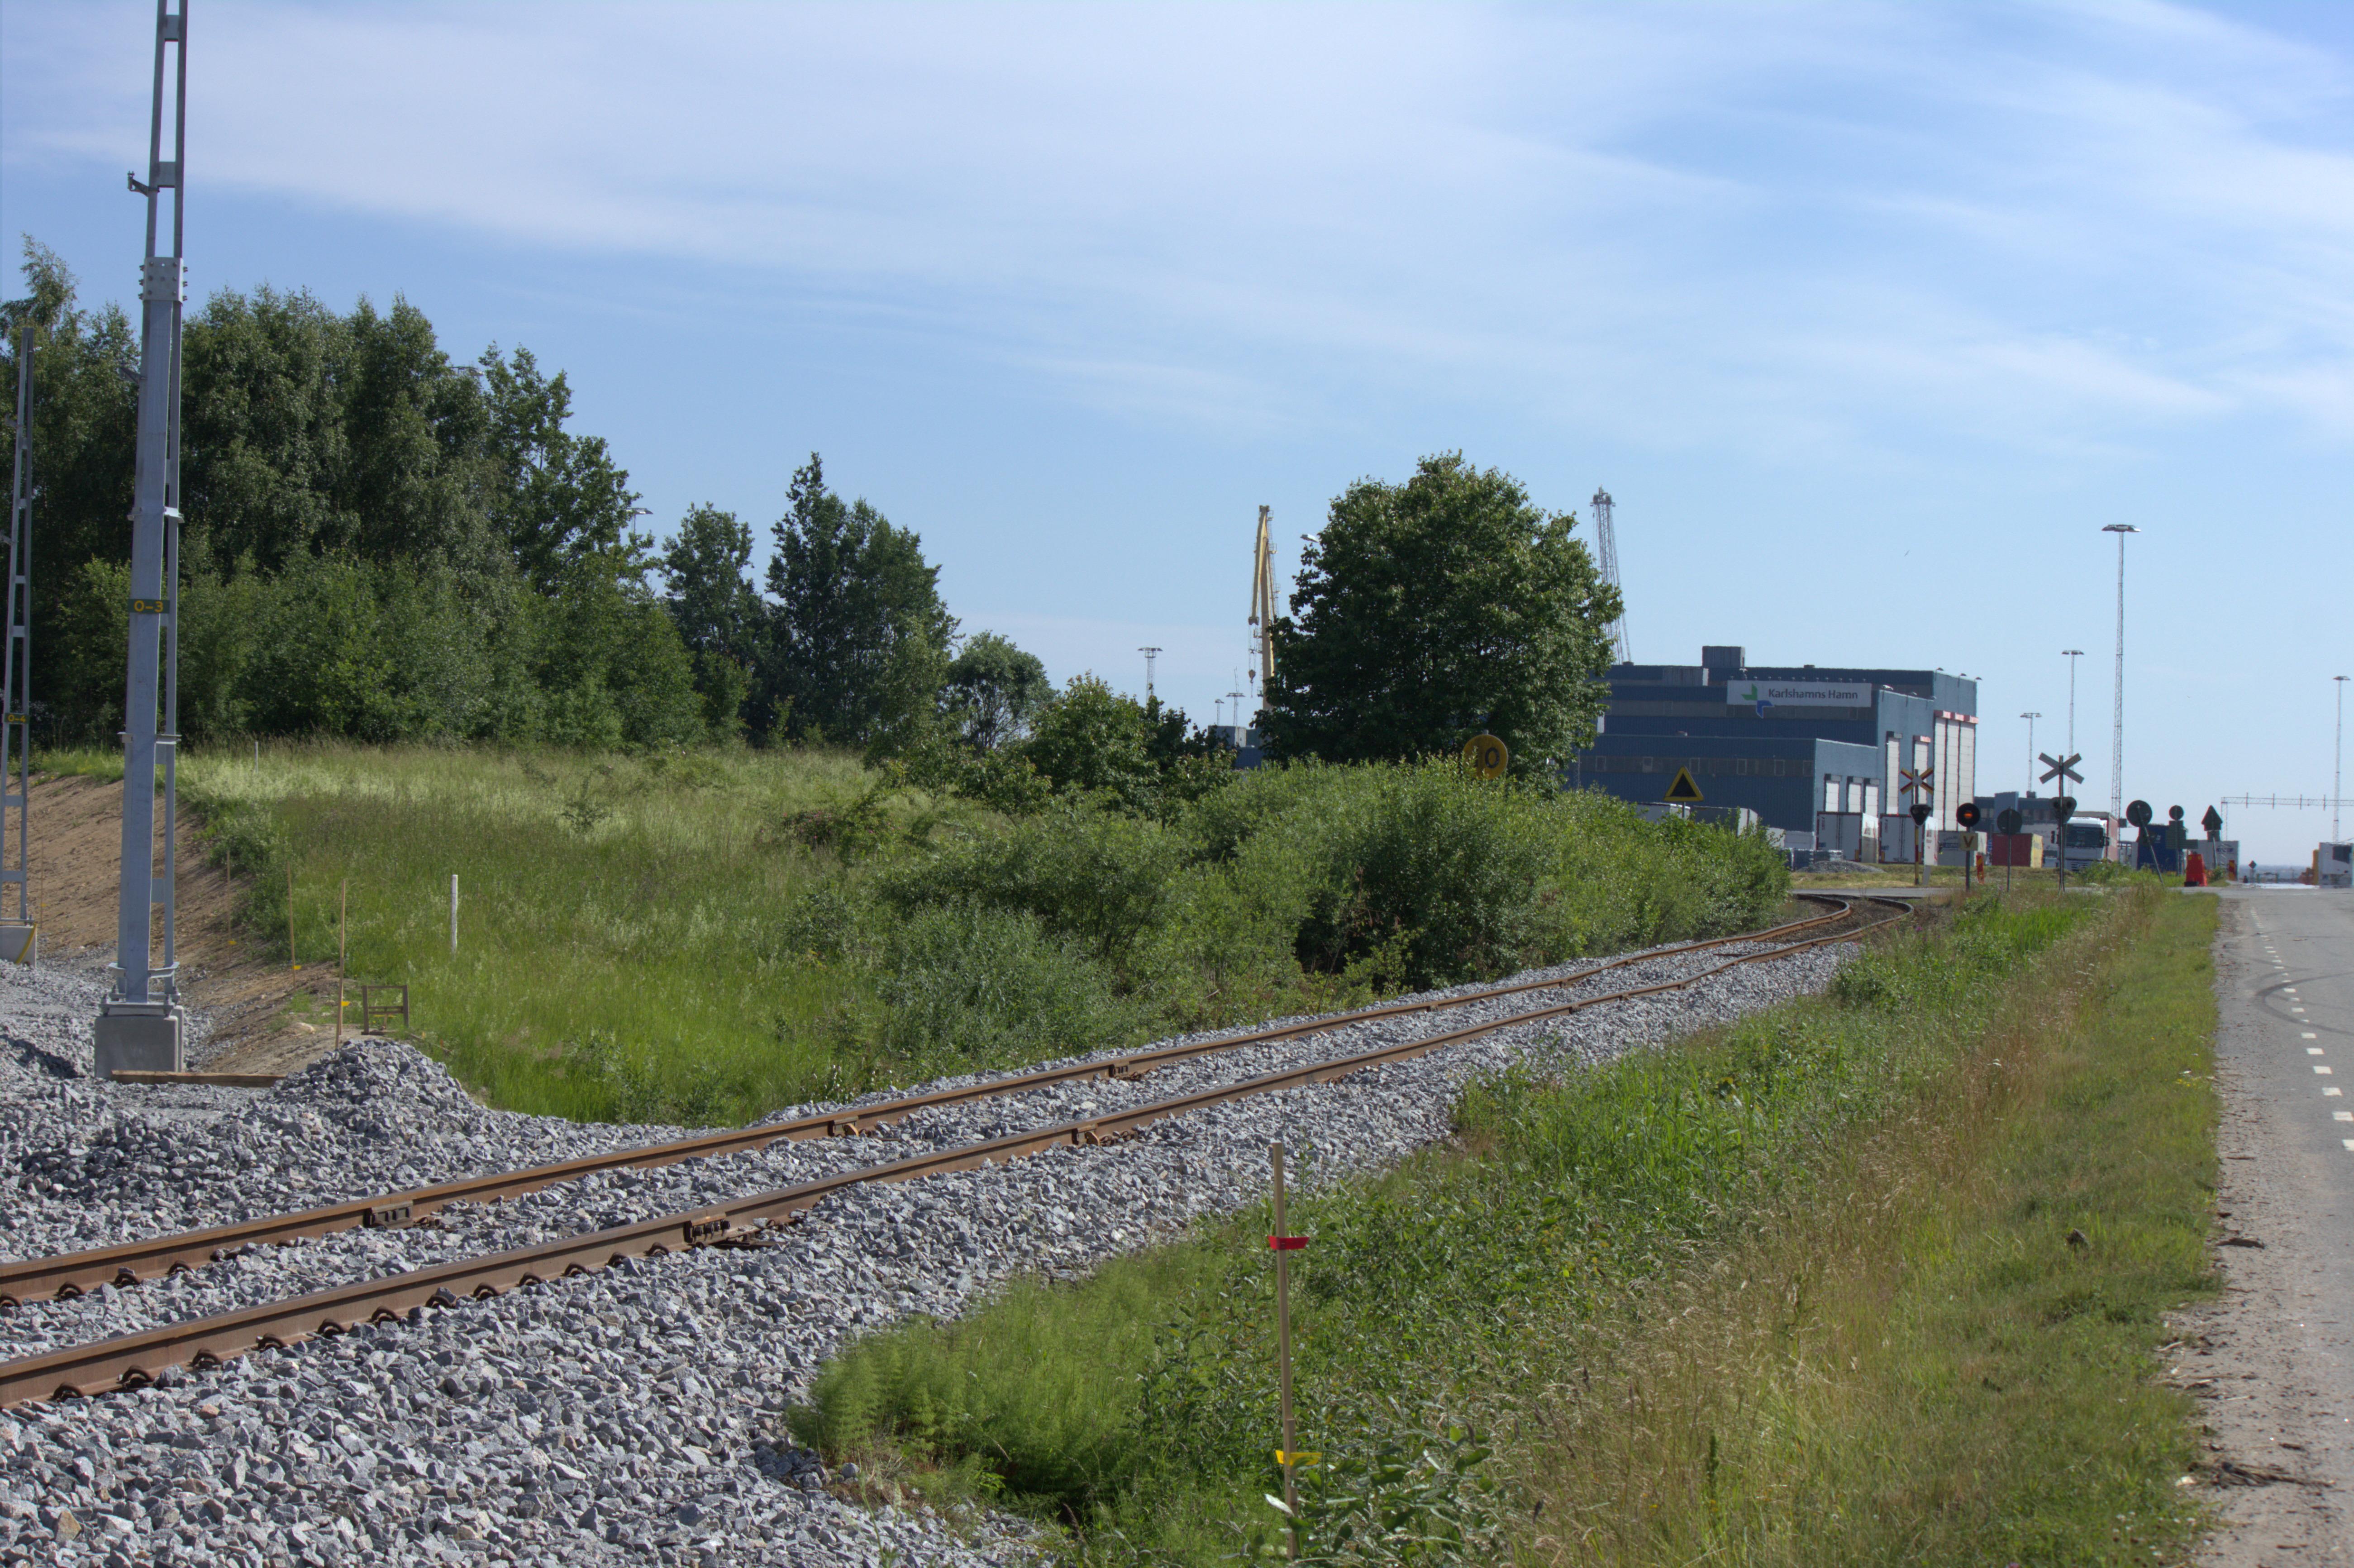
134, 1359
128, 1263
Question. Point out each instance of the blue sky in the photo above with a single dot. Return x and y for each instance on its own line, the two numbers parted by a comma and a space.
1869, 316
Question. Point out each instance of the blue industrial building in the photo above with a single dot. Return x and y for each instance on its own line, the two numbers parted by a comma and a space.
1818, 753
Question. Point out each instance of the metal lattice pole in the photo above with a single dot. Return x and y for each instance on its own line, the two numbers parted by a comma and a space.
139, 1024
2031, 719
16, 662
2117, 702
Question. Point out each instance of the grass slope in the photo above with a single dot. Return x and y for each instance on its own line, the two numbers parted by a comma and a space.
705, 937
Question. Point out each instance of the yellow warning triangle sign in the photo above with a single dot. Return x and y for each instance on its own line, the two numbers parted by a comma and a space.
1684, 792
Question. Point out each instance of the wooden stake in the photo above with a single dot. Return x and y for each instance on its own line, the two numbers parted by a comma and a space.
1283, 1345
343, 910
291, 964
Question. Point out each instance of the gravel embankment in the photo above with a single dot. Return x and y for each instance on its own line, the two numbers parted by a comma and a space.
634, 1415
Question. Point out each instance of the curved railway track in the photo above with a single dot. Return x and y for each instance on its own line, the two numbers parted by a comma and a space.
134, 1359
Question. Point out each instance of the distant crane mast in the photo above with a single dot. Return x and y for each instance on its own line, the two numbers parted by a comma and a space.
1262, 605
1606, 540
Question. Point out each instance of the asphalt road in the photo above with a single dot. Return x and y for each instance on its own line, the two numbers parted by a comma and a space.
2273, 1359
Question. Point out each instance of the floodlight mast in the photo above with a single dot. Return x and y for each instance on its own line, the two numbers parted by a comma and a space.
2118, 688
140, 1024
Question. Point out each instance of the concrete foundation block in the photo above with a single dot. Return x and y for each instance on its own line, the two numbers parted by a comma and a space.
147, 1042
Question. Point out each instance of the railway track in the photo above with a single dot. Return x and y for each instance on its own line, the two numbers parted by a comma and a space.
69, 1275
135, 1360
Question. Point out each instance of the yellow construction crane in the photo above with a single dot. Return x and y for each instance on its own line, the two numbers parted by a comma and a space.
1262, 605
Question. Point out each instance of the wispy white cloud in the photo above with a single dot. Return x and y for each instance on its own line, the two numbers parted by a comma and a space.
1757, 225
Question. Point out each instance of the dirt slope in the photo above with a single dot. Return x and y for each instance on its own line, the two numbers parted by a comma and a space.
76, 833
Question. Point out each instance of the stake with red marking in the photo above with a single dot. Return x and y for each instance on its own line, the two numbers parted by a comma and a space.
1286, 1456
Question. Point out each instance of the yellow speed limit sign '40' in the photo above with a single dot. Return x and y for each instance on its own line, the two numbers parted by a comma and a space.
1487, 756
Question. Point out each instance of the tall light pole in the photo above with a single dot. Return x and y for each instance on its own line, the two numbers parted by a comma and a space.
2337, 764
2072, 655
2118, 704
1150, 655
2031, 719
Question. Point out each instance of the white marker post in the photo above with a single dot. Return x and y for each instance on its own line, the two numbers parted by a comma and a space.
1287, 1456
453, 914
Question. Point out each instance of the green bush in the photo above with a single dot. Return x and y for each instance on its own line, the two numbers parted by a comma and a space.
1103, 877
1428, 860
977, 987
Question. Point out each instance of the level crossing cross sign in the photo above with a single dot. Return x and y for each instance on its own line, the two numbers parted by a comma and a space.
1918, 781
2061, 767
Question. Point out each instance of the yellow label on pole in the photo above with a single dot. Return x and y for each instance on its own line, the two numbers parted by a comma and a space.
1487, 756
1299, 1456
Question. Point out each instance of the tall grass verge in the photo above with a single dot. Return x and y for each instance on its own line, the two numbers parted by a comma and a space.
1504, 1350
707, 936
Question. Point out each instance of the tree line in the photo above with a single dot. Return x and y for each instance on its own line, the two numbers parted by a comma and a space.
383, 544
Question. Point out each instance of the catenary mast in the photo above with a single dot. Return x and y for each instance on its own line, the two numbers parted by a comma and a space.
141, 1023
16, 934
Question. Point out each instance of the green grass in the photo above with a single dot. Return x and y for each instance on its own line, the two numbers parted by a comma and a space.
641, 911
705, 937
1945, 1352
1796, 1291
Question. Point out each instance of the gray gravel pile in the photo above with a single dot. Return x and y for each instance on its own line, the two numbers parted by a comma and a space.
636, 1416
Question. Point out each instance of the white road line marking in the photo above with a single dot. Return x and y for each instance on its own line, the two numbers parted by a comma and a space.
2314, 1050
2309, 1035
2342, 1116
2348, 1142
2322, 1071
2333, 1091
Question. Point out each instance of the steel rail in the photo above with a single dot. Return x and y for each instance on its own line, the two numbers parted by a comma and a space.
68, 1274
132, 1361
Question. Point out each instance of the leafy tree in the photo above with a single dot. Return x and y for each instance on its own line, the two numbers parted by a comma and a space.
858, 638
379, 543
265, 447
556, 497
612, 663
1091, 738
413, 484
85, 417
717, 611
994, 689
1427, 611
365, 651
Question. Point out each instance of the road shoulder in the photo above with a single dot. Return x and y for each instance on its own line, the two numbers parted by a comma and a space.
2274, 1429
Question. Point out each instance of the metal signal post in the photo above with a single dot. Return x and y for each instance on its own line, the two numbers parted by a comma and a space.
141, 1023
